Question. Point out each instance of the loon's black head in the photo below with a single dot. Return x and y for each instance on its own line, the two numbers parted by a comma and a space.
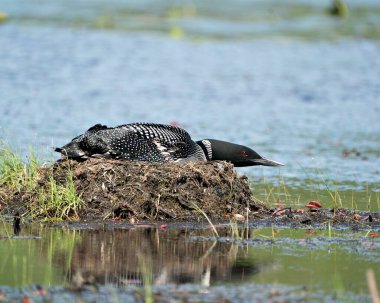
238, 155
76, 149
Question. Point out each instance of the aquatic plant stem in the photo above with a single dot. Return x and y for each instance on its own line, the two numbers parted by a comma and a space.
371, 281
145, 265
209, 251
329, 230
235, 229
197, 208
247, 223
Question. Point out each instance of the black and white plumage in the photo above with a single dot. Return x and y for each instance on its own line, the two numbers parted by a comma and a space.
156, 143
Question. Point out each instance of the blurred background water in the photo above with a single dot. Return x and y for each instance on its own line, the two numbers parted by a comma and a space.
298, 81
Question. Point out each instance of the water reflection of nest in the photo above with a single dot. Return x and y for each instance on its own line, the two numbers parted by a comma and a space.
124, 256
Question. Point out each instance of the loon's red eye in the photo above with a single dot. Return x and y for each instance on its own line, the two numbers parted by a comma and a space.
244, 154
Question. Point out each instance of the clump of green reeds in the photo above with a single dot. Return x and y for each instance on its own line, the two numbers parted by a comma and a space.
14, 172
57, 201
49, 199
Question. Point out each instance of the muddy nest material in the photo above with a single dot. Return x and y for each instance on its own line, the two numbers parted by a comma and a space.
157, 191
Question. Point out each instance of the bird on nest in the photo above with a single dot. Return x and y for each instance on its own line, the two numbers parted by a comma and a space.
156, 143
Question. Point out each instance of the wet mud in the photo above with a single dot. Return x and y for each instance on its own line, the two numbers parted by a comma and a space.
244, 293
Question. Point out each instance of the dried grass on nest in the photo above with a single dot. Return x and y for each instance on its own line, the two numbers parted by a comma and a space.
158, 191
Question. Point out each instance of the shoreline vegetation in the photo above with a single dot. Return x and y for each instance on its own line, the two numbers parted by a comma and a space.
21, 181
300, 21
98, 190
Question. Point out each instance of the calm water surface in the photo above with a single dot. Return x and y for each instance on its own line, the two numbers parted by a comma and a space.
318, 261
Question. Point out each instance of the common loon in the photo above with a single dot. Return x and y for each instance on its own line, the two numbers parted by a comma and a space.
156, 143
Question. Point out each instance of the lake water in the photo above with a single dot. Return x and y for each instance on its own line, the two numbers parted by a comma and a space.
286, 78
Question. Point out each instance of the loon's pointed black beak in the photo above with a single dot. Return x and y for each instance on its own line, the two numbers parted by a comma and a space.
258, 161
266, 162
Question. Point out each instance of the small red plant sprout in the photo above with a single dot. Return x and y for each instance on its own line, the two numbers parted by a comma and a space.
117, 218
314, 204
280, 212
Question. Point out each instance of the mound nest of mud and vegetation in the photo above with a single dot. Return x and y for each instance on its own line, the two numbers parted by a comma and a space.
156, 191
99, 189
